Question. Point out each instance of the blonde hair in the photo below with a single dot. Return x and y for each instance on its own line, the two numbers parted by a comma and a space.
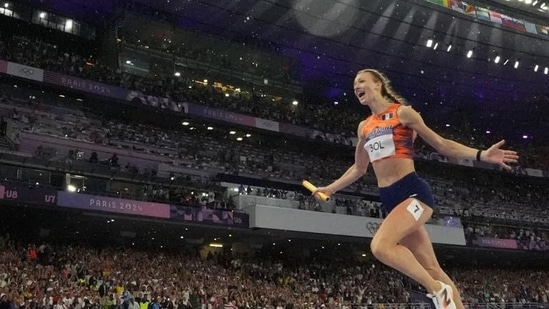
386, 88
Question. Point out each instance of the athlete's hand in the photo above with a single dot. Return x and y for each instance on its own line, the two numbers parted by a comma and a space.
326, 190
499, 156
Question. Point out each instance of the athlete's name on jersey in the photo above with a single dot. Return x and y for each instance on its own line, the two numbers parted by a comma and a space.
375, 146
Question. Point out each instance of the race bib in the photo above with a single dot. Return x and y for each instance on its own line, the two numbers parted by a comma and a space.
380, 147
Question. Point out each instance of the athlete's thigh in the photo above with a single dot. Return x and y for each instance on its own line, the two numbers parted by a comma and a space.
403, 220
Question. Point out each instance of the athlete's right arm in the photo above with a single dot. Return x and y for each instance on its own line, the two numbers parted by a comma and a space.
353, 173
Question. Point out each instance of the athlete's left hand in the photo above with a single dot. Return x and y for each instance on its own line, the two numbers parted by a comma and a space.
499, 156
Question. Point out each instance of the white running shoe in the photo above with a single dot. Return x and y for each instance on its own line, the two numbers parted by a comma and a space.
443, 299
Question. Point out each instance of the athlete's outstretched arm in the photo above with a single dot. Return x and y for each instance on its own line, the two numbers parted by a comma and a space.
410, 118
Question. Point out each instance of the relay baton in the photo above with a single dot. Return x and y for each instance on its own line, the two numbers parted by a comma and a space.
312, 188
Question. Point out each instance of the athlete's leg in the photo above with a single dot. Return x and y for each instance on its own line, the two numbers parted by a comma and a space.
406, 218
419, 243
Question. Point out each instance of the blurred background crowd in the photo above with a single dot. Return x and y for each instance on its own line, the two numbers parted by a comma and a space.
79, 276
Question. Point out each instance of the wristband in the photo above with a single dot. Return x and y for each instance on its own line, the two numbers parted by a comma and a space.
478, 154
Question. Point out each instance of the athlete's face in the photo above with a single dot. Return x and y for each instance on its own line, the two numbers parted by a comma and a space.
366, 87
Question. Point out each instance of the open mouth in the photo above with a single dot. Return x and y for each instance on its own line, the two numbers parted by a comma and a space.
360, 94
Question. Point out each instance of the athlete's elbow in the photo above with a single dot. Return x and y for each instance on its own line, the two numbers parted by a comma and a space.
361, 169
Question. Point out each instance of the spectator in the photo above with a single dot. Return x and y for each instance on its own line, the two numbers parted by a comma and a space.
93, 158
113, 161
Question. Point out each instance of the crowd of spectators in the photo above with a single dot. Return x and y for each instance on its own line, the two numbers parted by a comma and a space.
38, 52
496, 197
459, 191
80, 276
182, 146
49, 56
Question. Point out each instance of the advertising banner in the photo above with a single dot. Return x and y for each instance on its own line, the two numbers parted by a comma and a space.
495, 243
24, 71
297, 220
222, 115
24, 194
110, 204
85, 85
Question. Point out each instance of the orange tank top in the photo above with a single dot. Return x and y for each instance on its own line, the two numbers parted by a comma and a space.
386, 137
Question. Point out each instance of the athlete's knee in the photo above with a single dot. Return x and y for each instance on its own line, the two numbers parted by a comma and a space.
380, 249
